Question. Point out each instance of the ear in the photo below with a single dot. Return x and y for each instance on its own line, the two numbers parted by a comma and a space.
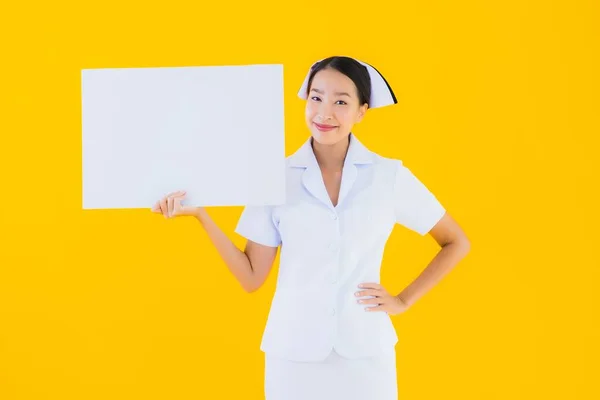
362, 111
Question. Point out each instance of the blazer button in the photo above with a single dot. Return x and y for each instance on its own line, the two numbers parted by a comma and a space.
334, 216
332, 311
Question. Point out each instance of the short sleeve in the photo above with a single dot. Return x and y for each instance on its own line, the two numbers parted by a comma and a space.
415, 206
256, 223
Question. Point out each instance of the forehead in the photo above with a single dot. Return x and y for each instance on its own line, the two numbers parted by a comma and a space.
331, 80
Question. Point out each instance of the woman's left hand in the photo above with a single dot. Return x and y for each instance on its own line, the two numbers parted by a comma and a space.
383, 300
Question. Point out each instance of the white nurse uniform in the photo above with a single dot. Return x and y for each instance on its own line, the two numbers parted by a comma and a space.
319, 343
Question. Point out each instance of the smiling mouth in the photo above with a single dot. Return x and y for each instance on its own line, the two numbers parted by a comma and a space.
324, 127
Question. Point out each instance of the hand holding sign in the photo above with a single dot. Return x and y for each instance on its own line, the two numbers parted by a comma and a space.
170, 206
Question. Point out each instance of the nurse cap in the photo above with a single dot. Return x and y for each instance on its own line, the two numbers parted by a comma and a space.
381, 92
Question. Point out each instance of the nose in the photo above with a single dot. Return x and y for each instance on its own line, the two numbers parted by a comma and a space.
325, 112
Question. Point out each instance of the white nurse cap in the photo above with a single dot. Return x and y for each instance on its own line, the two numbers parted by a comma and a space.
381, 92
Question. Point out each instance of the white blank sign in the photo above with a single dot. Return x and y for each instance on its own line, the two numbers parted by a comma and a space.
216, 132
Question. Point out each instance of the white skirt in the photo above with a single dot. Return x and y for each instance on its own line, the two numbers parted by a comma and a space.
334, 378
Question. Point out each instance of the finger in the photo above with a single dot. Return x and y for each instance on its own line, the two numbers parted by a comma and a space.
156, 207
170, 203
163, 206
370, 285
376, 300
375, 308
177, 193
368, 292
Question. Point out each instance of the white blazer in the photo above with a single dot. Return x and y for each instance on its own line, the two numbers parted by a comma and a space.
327, 251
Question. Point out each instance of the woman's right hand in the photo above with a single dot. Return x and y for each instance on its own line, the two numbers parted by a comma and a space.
170, 206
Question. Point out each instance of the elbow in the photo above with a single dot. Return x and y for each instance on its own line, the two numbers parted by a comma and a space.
251, 286
465, 246
462, 245
250, 289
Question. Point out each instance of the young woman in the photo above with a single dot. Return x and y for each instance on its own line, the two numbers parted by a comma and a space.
329, 334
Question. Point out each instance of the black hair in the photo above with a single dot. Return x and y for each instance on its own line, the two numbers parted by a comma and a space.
348, 66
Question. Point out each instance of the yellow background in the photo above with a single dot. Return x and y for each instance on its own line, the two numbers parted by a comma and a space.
498, 116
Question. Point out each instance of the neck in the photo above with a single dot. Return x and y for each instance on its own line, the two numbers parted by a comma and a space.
331, 157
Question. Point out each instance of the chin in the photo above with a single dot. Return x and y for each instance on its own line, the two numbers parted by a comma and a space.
324, 138
327, 137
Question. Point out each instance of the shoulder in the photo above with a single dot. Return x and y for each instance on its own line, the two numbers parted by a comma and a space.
388, 165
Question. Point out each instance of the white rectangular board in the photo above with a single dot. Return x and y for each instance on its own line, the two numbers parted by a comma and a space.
216, 132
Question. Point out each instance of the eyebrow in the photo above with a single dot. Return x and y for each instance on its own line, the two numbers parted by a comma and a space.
336, 93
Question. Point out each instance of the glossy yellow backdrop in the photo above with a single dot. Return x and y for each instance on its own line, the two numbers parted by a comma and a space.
497, 115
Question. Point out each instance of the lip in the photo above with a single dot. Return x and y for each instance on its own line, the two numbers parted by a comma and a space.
324, 128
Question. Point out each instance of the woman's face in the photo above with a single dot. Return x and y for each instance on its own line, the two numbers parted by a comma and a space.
332, 106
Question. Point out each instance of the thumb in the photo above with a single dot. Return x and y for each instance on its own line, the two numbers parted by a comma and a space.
177, 206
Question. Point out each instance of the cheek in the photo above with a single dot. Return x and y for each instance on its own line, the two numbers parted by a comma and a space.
344, 117
310, 111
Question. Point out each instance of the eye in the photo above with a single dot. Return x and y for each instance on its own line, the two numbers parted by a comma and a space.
342, 101
315, 98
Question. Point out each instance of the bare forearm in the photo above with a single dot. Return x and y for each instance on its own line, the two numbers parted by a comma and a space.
445, 260
236, 260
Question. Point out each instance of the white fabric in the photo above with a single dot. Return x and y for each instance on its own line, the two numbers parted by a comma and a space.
334, 378
381, 94
327, 251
